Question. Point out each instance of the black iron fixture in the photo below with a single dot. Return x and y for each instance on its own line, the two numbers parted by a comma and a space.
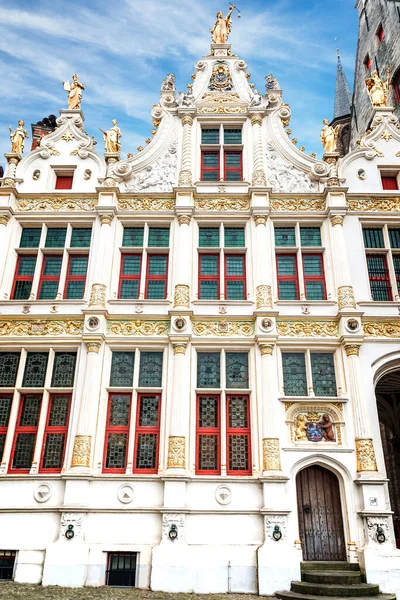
173, 532
277, 533
380, 534
70, 533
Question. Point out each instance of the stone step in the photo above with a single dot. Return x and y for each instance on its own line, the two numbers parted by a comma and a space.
323, 565
297, 596
349, 591
335, 577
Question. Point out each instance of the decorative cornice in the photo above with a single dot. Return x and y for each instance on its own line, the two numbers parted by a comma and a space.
61, 203
223, 328
184, 219
222, 204
297, 204
266, 349
337, 220
387, 329
374, 204
179, 348
138, 204
41, 327
352, 349
138, 327
308, 328
93, 346
4, 219
260, 219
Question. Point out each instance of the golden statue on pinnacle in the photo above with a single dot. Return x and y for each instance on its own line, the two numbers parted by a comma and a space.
223, 26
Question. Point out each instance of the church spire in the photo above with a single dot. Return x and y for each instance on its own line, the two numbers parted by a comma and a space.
342, 106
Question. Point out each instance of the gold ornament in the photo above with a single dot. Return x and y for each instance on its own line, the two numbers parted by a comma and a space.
98, 295
74, 92
67, 136
179, 348
182, 295
365, 453
222, 110
81, 452
374, 204
271, 454
266, 349
184, 219
352, 349
377, 89
56, 204
18, 138
388, 329
346, 297
93, 346
386, 135
222, 204
256, 119
260, 219
223, 328
298, 204
112, 139
337, 220
329, 137
222, 27
138, 327
264, 296
4, 219
41, 327
227, 97
185, 179
187, 120
106, 218
141, 204
176, 452
308, 328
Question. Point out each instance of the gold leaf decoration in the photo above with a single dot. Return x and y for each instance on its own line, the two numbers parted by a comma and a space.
222, 204
297, 204
56, 204
223, 328
146, 203
388, 329
221, 110
308, 328
41, 327
374, 204
138, 327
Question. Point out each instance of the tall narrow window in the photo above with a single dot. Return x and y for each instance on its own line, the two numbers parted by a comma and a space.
210, 166
63, 370
25, 433
221, 154
129, 282
55, 434
208, 276
238, 435
147, 433
157, 277
294, 374
384, 263
288, 287
23, 278
9, 362
76, 277
208, 435
235, 277
379, 278
117, 432
323, 374
35, 369
314, 280
49, 277
5, 409
233, 165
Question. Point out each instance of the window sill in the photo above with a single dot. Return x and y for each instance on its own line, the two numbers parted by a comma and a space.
223, 302
42, 302
385, 303
320, 446
221, 182
313, 399
131, 301
302, 302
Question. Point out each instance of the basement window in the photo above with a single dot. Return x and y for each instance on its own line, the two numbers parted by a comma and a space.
121, 571
7, 561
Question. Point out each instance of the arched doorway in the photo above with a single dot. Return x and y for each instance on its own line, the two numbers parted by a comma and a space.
388, 400
320, 514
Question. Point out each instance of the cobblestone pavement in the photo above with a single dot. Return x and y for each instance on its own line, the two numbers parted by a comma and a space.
11, 591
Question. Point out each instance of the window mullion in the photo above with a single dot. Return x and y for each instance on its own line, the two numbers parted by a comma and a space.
143, 271
37, 454
63, 274
310, 385
222, 275
12, 423
36, 275
49, 370
223, 415
302, 287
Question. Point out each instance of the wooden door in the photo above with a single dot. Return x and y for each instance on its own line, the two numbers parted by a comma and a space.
320, 515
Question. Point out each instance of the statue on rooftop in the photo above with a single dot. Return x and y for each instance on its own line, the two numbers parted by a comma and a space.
222, 27
168, 84
112, 139
18, 137
74, 92
378, 89
329, 137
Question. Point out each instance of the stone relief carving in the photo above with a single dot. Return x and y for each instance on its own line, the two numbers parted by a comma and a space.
271, 521
168, 84
71, 519
285, 177
178, 521
373, 523
43, 492
125, 493
160, 176
223, 495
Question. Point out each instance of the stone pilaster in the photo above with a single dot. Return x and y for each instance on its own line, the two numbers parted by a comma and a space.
263, 268
259, 178
179, 415
271, 457
185, 174
12, 162
98, 293
345, 291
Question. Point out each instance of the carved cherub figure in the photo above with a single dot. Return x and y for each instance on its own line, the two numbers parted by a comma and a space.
301, 428
329, 137
168, 84
327, 428
18, 138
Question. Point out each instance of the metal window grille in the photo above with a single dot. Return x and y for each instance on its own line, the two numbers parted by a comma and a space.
285, 236
323, 374
35, 369
147, 433
64, 369
237, 370
122, 364
234, 237
7, 561
288, 285
55, 237
294, 374
379, 278
117, 432
208, 370
81, 237
373, 238
30, 237
23, 277
150, 373
238, 435
208, 435
121, 571
310, 236
133, 236
9, 362
209, 237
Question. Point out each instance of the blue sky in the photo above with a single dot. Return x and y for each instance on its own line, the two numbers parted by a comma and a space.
122, 50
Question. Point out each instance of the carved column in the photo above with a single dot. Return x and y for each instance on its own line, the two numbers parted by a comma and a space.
270, 443
179, 415
365, 453
12, 163
87, 420
185, 174
331, 159
98, 292
259, 179
346, 298
263, 266
183, 262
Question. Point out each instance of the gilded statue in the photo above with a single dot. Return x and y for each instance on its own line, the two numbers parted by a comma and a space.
112, 139
378, 90
74, 90
327, 429
18, 138
301, 427
222, 27
329, 137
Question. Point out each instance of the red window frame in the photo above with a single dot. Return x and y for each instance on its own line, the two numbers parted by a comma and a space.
236, 277
69, 277
380, 32
124, 429
243, 432
147, 429
294, 277
23, 429
64, 182
233, 169
209, 277
214, 431
367, 63
21, 277
157, 277
4, 429
314, 277
386, 278
44, 277
129, 277
389, 182
396, 85
205, 169
55, 429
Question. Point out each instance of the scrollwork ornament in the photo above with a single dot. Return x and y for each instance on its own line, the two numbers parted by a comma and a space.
263, 296
184, 219
260, 219
271, 454
223, 328
298, 204
374, 204
141, 204
81, 452
93, 346
176, 452
352, 349
41, 327
222, 204
98, 295
182, 295
365, 453
308, 328
138, 327
179, 348
388, 329
271, 521
56, 204
346, 297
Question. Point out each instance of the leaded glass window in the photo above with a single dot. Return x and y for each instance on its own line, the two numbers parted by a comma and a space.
158, 237
373, 238
147, 433
81, 237
323, 374
394, 235
208, 453
133, 236
122, 369
64, 369
23, 452
294, 374
117, 432
150, 373
30, 237
238, 453
54, 450
208, 370
9, 362
232, 136
237, 370
120, 405
55, 237
59, 410
5, 408
146, 451
285, 236
148, 413
234, 237
210, 136
29, 416
209, 237
116, 450
238, 433
35, 369
310, 236
208, 433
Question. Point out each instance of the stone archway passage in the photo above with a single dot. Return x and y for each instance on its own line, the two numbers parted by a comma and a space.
320, 515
